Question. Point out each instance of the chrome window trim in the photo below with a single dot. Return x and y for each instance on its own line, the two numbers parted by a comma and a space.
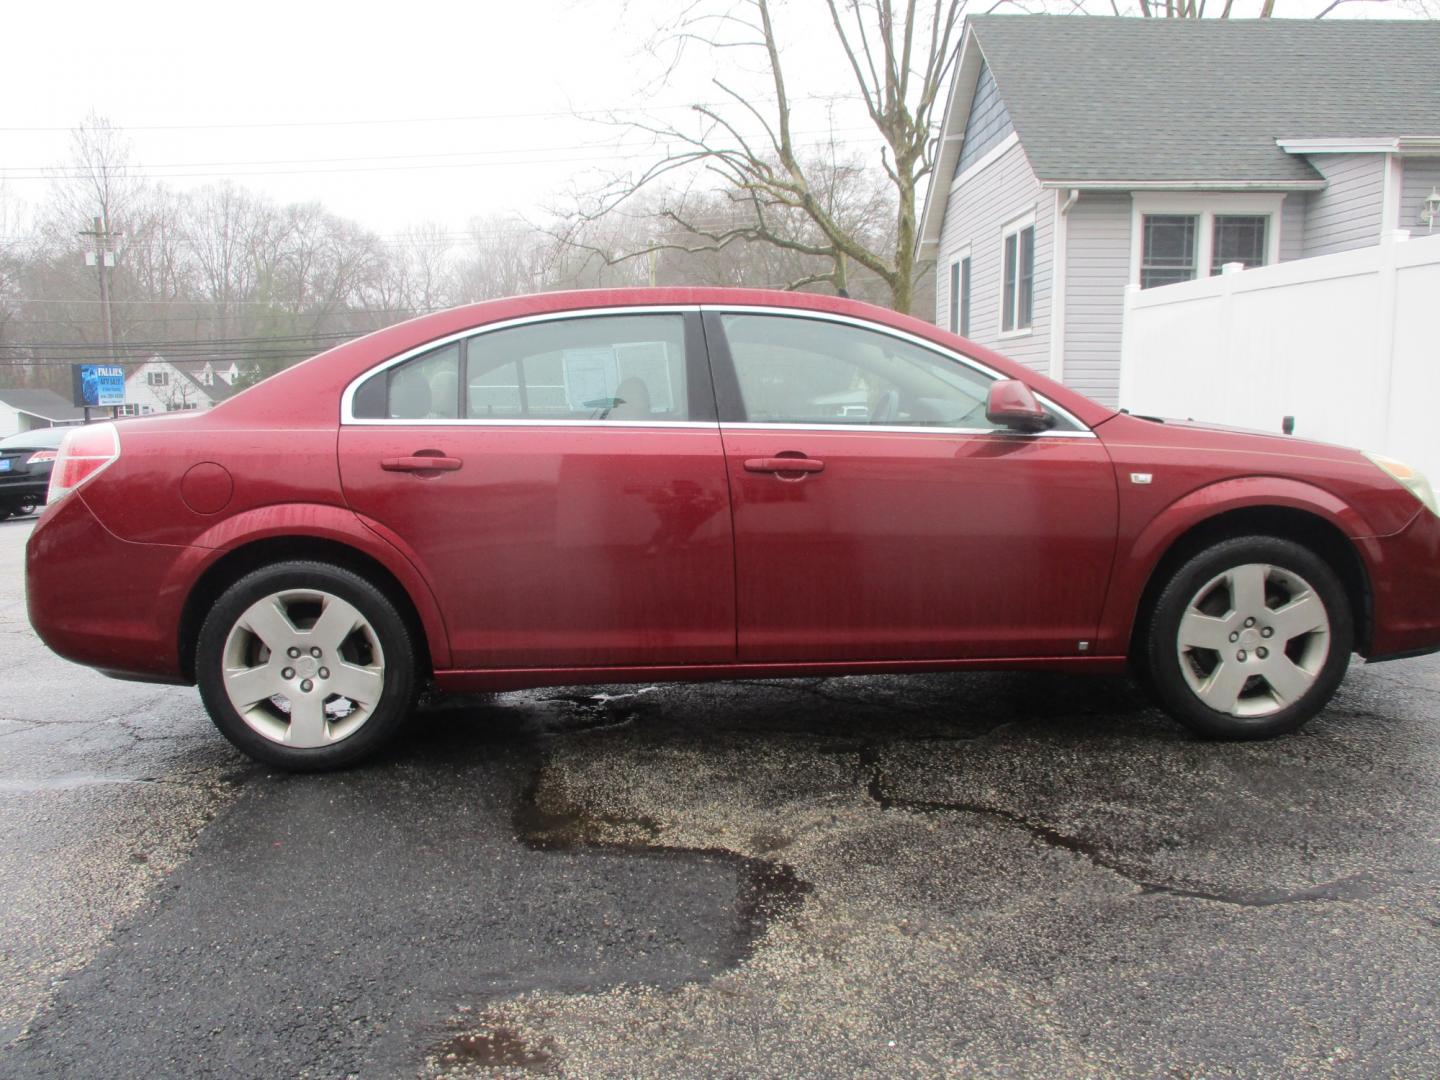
347, 399
347, 417
913, 339
709, 425
897, 429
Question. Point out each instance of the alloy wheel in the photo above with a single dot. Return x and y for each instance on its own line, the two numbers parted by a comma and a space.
1253, 640
303, 668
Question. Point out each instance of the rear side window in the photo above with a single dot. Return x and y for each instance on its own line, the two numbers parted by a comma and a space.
618, 368
622, 367
425, 387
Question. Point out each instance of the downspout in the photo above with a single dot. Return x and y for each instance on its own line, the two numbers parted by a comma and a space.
1057, 294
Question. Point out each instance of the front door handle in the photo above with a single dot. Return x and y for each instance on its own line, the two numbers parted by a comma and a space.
784, 464
421, 463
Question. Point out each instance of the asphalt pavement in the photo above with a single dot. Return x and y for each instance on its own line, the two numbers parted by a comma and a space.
974, 875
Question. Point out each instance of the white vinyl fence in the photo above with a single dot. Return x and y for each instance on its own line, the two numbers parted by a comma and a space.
1347, 344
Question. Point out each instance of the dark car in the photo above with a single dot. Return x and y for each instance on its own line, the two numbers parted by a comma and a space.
25, 463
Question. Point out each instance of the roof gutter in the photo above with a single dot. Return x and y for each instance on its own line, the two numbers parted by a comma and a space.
1186, 185
1400, 144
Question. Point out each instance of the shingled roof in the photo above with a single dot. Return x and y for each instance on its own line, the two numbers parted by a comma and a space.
1198, 102
45, 404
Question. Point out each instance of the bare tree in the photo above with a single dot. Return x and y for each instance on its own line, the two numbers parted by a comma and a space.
898, 60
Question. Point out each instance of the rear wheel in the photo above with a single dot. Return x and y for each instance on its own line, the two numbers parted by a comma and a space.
1249, 638
306, 666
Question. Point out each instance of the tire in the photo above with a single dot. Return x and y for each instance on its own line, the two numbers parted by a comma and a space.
353, 695
1248, 639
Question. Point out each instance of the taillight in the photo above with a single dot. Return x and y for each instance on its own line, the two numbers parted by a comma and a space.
41, 456
84, 453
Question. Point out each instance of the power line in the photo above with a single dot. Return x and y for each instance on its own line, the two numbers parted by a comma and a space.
602, 113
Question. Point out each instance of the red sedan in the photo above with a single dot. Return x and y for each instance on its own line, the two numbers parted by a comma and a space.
708, 484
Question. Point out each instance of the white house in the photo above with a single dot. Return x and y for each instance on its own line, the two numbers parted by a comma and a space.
24, 410
161, 385
1082, 155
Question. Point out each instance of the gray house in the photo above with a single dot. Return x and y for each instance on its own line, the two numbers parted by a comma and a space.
1083, 154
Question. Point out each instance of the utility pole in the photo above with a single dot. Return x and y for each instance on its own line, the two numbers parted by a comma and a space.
103, 259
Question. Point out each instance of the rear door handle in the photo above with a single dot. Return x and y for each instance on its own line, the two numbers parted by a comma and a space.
420, 463
784, 464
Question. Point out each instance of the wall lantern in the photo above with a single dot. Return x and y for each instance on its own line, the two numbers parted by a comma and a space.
1430, 209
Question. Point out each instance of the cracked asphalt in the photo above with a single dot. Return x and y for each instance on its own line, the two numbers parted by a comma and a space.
971, 875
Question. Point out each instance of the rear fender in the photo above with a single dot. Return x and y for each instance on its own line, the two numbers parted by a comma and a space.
320, 522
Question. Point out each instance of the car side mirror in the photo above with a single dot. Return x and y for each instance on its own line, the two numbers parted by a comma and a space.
1011, 404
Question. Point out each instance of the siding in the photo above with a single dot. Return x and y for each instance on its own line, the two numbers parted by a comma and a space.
1292, 226
975, 214
1346, 214
1097, 270
987, 124
1417, 178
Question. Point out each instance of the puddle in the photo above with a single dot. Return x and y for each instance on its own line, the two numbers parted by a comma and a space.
496, 1047
768, 890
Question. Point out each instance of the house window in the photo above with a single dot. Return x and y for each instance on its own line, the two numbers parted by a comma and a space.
1168, 254
1238, 238
127, 410
157, 378
1181, 237
960, 297
965, 296
1017, 295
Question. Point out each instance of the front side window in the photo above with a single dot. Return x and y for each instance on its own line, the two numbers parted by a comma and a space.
620, 367
1018, 292
794, 370
1168, 249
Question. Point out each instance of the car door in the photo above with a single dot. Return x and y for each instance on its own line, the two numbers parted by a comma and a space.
880, 516
560, 482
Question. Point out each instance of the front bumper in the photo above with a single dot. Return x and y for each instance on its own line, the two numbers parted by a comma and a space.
102, 601
1405, 586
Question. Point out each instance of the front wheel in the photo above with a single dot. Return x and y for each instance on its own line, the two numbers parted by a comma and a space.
1249, 638
306, 666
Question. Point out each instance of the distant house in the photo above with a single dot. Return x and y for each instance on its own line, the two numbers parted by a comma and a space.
24, 410
161, 385
1082, 154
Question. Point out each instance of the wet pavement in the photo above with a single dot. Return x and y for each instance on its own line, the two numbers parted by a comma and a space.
944, 875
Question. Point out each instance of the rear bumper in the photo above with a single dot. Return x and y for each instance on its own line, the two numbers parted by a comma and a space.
102, 601
1405, 582
17, 487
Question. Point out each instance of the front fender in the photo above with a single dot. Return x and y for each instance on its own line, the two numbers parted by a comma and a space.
315, 521
1138, 557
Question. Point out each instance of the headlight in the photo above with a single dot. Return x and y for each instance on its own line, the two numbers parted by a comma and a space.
1413, 480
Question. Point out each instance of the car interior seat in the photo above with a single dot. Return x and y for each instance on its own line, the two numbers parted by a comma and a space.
444, 395
409, 395
632, 401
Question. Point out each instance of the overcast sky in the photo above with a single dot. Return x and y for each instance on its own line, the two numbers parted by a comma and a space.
392, 114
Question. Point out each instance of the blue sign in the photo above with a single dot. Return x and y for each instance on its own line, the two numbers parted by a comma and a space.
98, 385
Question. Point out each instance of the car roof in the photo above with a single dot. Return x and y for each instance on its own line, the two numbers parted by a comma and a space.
41, 438
306, 391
